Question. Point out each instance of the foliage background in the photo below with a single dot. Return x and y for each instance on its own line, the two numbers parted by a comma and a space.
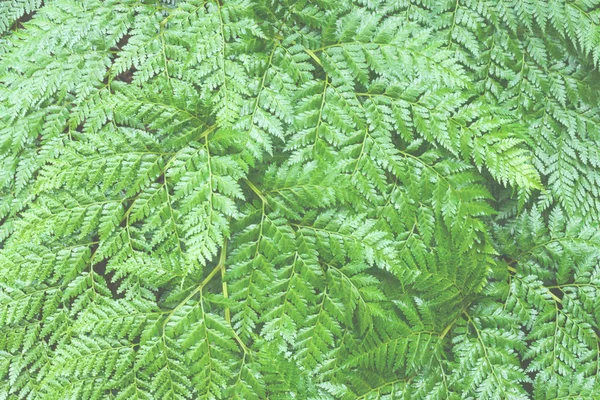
299, 199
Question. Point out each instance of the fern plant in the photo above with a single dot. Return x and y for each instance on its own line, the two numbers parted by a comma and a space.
312, 199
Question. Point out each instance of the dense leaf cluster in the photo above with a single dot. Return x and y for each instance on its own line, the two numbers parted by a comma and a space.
311, 199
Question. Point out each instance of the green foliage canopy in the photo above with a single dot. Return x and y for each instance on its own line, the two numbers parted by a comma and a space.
312, 199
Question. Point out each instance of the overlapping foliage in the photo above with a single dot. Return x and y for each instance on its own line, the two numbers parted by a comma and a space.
312, 199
